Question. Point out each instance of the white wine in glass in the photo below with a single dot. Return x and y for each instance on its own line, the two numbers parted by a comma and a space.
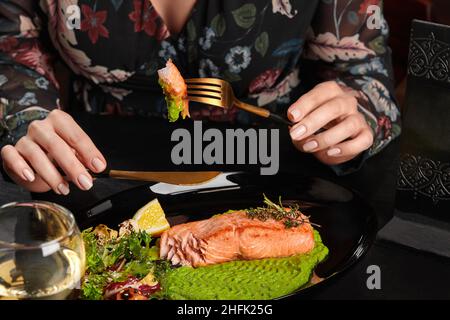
41, 252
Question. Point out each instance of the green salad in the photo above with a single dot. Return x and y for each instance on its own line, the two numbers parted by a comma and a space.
111, 259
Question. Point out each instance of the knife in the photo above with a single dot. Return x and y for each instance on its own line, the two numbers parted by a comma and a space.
171, 177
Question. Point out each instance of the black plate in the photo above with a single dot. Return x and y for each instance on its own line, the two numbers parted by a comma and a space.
348, 224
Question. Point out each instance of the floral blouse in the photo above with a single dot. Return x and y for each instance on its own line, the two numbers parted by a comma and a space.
272, 51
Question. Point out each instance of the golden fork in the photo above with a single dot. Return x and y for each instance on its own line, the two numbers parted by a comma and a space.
219, 93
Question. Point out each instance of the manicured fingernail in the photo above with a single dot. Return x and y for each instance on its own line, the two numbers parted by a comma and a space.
298, 132
310, 146
98, 164
63, 189
29, 175
334, 152
295, 115
85, 182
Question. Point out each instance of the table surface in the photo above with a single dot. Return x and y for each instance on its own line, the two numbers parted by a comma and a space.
144, 144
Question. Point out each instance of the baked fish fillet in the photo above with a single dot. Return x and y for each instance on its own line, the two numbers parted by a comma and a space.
233, 236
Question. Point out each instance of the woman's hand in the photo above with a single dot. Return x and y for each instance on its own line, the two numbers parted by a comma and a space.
345, 133
56, 141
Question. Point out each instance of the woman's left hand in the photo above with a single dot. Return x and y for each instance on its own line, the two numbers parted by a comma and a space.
345, 133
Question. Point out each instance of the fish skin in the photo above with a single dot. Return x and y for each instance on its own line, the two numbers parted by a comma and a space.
233, 236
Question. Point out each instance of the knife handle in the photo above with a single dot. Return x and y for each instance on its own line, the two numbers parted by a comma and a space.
119, 174
262, 112
103, 174
129, 175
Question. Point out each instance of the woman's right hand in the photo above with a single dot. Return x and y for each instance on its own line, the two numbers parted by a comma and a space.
56, 141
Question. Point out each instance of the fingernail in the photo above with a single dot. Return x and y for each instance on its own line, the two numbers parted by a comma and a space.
310, 146
298, 132
334, 152
84, 181
63, 189
98, 164
28, 174
295, 114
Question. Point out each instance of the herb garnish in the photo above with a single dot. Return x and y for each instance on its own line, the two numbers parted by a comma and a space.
291, 216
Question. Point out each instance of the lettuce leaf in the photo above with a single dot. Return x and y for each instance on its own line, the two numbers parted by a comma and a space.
92, 288
174, 105
174, 108
94, 259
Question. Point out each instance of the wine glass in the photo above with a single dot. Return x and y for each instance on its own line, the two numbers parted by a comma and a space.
41, 251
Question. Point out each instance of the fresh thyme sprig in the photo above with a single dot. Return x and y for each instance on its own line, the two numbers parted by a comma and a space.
292, 216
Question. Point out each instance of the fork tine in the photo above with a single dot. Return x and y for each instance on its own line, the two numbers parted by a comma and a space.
198, 86
210, 101
210, 81
205, 93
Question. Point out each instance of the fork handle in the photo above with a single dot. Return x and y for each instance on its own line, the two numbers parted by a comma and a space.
262, 113
279, 119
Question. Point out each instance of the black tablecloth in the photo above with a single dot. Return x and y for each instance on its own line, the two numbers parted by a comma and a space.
144, 144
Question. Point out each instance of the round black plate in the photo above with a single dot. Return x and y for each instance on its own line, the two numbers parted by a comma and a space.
348, 224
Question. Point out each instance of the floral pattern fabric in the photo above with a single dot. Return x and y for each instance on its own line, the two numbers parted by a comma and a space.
262, 47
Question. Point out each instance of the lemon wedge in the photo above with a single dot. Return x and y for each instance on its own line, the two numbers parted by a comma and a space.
151, 218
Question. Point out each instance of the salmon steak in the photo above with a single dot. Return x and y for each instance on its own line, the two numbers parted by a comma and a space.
234, 236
